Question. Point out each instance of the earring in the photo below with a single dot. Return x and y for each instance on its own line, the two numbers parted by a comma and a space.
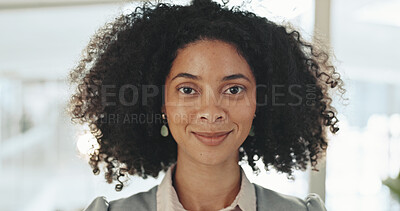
252, 131
164, 128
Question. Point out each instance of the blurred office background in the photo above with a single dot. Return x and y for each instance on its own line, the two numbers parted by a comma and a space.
41, 164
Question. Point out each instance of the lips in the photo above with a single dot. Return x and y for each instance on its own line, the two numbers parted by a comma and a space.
212, 134
211, 138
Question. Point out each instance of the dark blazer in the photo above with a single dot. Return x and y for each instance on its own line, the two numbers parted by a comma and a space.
267, 200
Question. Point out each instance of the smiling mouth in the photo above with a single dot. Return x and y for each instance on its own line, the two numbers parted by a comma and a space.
212, 134
211, 139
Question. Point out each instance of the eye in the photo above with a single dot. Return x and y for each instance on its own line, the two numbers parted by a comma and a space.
186, 90
236, 89
190, 91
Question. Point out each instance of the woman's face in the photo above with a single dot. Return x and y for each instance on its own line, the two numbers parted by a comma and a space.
210, 89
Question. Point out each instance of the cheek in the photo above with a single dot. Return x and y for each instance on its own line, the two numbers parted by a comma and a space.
177, 122
180, 110
242, 117
175, 112
242, 110
178, 115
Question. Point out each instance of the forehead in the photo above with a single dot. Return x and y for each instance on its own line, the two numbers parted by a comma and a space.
210, 59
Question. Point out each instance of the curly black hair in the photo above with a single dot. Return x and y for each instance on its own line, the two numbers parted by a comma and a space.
138, 49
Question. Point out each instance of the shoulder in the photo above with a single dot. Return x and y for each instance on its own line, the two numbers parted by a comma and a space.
143, 201
99, 203
268, 199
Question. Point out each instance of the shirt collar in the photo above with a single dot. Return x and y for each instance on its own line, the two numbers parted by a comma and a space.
167, 198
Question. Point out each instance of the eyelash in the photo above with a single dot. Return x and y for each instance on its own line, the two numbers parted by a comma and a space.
241, 87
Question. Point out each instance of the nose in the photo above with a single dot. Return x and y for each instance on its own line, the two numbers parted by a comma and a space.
211, 110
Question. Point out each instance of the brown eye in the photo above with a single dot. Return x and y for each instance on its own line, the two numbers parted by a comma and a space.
186, 90
235, 89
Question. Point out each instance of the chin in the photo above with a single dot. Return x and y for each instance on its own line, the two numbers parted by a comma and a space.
212, 157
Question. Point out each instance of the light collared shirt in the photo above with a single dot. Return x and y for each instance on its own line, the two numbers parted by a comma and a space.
167, 198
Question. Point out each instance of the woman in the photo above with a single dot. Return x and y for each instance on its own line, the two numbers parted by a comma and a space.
192, 90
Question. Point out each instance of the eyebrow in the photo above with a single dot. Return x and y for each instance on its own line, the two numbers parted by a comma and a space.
226, 78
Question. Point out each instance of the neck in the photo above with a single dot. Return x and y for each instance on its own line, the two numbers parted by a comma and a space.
206, 187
